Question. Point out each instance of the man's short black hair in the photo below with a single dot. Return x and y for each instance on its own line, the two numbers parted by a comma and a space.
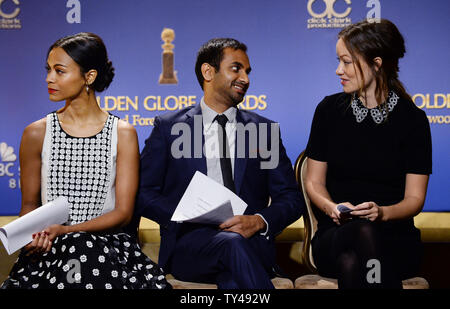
212, 53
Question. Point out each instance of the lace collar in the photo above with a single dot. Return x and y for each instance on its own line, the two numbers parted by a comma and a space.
379, 113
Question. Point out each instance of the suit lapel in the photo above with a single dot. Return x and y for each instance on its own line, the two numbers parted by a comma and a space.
195, 122
240, 163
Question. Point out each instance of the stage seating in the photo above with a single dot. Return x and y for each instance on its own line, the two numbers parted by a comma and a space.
435, 228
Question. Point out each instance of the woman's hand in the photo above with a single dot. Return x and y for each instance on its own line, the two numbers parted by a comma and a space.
368, 210
42, 241
55, 230
339, 217
40, 244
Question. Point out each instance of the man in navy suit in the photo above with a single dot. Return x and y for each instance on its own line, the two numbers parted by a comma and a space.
240, 252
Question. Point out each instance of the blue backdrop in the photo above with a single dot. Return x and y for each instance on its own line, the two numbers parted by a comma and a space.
291, 50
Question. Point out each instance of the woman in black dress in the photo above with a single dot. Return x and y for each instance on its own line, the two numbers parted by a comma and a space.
369, 150
92, 158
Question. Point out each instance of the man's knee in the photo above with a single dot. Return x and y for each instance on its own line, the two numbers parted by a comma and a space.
234, 241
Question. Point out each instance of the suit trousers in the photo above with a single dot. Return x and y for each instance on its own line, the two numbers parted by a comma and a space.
206, 254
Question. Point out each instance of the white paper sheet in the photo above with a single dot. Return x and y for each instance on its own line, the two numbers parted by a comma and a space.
19, 232
206, 201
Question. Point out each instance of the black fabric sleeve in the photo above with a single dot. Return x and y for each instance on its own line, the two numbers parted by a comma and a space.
318, 137
418, 158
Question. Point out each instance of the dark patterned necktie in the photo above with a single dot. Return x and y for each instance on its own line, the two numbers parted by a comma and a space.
225, 161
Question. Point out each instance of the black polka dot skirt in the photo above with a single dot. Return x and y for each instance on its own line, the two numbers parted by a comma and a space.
84, 260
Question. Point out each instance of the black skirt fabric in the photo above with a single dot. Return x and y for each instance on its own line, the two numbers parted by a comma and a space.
84, 260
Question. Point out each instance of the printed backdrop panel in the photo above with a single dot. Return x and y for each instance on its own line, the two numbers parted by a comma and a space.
291, 46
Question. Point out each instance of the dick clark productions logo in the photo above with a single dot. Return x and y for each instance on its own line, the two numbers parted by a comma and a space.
328, 18
9, 11
329, 9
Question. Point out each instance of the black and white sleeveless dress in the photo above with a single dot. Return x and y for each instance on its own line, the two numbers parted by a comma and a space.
83, 169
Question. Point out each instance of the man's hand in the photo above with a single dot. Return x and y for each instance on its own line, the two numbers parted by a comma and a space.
246, 225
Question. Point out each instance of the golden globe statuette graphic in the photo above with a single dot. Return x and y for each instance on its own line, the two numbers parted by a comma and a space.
168, 75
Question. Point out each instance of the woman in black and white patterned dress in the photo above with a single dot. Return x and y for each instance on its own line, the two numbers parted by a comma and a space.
92, 158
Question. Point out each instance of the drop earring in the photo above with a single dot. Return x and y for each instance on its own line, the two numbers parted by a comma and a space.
87, 89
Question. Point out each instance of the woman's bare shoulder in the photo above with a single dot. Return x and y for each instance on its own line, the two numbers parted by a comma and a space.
126, 130
125, 126
35, 131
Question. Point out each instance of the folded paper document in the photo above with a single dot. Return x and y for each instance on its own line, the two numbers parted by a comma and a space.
19, 232
208, 202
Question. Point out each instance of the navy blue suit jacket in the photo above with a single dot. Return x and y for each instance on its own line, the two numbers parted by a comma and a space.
164, 179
